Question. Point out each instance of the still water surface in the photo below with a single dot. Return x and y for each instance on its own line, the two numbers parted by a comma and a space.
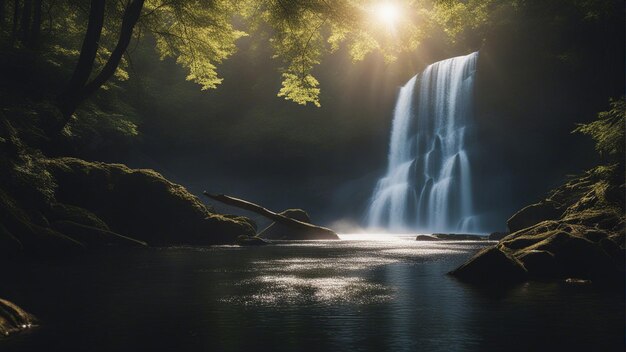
364, 293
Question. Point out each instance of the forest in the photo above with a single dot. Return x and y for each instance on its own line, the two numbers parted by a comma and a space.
116, 115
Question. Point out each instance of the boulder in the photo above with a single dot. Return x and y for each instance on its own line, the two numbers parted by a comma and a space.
93, 237
66, 212
459, 237
578, 257
426, 238
244, 240
141, 204
14, 319
497, 236
277, 231
533, 214
491, 265
538, 263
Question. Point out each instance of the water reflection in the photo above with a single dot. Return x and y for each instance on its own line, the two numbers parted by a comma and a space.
357, 294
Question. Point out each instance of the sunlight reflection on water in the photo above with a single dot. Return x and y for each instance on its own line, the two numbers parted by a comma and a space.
326, 272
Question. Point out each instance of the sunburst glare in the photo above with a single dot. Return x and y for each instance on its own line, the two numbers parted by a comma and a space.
388, 13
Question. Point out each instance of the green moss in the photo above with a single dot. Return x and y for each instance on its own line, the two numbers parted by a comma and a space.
142, 204
66, 212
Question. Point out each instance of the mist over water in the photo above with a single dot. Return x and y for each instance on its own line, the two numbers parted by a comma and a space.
428, 185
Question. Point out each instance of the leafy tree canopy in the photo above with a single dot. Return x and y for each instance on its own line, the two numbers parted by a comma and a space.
608, 130
201, 34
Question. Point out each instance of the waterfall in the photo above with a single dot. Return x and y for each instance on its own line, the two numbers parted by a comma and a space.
428, 184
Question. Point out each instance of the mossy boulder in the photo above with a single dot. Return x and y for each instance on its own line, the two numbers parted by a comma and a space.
586, 241
142, 204
491, 265
21, 233
533, 214
14, 319
65, 212
497, 236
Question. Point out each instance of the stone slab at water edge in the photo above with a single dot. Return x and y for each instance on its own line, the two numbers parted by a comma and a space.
584, 240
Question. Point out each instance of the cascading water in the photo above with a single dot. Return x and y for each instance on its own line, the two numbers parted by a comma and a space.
428, 182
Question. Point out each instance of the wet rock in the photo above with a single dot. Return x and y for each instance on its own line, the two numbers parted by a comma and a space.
538, 263
533, 214
491, 265
251, 241
426, 238
497, 236
459, 237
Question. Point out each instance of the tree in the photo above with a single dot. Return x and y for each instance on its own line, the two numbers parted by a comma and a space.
608, 130
200, 34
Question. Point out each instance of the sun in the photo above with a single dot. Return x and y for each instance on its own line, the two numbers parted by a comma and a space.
388, 13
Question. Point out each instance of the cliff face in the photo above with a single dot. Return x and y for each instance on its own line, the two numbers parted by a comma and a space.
576, 232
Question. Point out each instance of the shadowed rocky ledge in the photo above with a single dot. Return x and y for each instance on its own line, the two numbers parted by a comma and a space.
52, 207
576, 232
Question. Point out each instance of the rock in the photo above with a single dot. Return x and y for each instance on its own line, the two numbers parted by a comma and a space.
459, 237
14, 319
533, 214
491, 265
23, 236
595, 235
142, 204
277, 231
244, 240
539, 264
497, 236
426, 238
578, 257
297, 214
66, 212
94, 237
619, 239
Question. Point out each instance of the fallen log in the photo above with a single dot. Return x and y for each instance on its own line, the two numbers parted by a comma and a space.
303, 229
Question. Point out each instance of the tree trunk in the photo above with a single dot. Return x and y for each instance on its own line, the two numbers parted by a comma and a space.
78, 90
278, 218
68, 99
25, 22
2, 14
131, 16
35, 28
16, 16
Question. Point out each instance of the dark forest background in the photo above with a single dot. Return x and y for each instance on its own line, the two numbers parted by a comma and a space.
544, 66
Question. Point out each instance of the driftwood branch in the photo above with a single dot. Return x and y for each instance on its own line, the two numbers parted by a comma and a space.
315, 231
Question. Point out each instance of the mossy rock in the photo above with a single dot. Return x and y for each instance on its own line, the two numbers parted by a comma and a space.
33, 238
142, 204
66, 212
533, 214
538, 263
578, 257
491, 265
94, 237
